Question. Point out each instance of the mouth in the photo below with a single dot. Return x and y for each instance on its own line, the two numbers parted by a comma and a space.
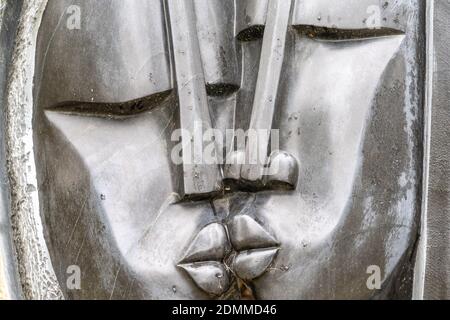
226, 257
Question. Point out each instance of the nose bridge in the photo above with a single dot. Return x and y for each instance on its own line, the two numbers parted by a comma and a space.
215, 30
272, 57
200, 179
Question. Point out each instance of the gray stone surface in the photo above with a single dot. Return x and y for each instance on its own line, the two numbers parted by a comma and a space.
88, 148
433, 275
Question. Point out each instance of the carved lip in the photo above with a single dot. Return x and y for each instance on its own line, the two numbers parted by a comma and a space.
241, 249
210, 244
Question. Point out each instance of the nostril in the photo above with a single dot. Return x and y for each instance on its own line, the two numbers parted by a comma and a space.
282, 171
221, 89
251, 33
232, 167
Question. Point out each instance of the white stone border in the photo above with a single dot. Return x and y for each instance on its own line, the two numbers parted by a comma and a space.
421, 257
37, 276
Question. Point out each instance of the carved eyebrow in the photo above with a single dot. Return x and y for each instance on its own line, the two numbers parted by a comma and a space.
112, 110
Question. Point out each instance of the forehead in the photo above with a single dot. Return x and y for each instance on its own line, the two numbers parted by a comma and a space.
350, 14
337, 14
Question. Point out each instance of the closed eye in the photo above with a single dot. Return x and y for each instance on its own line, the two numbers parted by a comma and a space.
112, 110
335, 34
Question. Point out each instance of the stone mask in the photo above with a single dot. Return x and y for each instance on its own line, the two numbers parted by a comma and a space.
339, 82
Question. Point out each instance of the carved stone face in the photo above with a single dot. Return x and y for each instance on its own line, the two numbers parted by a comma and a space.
342, 89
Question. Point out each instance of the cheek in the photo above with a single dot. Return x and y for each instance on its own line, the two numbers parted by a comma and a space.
127, 164
344, 115
110, 196
327, 95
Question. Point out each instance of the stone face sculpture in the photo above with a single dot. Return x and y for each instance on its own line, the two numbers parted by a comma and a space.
95, 184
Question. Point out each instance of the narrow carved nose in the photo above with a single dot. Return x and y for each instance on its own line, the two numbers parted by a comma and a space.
274, 170
199, 179
253, 168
